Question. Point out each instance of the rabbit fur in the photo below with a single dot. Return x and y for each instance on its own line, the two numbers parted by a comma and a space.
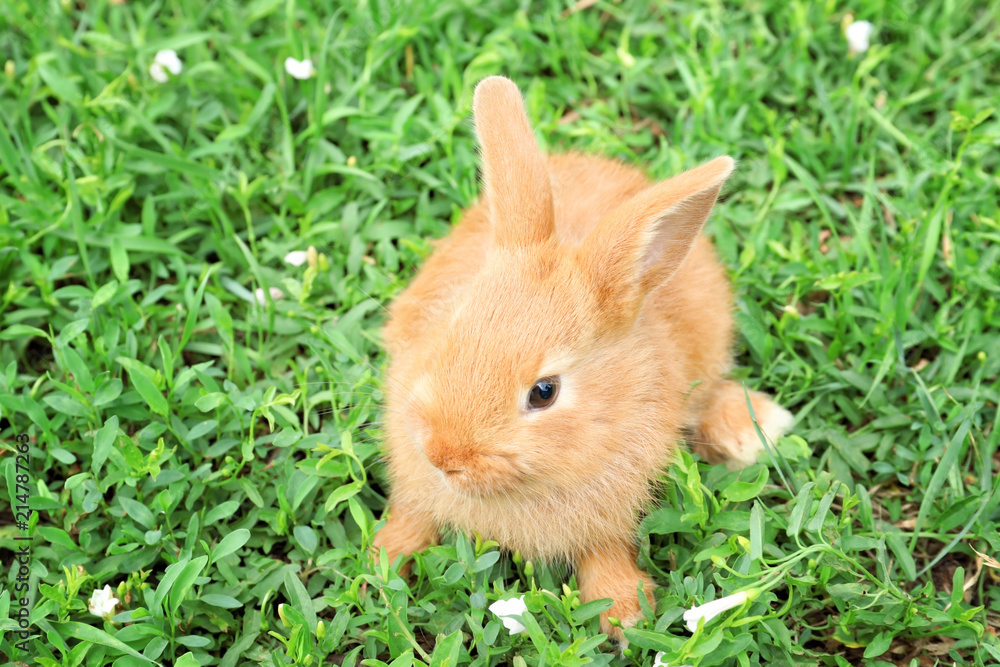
576, 267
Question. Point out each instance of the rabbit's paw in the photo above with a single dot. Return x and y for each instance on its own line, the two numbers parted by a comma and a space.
612, 573
726, 433
403, 533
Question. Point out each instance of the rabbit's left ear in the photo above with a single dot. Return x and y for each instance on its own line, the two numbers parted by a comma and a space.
515, 176
638, 246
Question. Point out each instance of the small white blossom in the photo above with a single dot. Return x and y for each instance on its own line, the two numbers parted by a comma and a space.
509, 611
857, 35
710, 610
274, 292
300, 69
103, 602
658, 661
162, 62
296, 257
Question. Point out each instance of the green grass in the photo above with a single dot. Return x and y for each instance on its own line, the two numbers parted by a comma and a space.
213, 459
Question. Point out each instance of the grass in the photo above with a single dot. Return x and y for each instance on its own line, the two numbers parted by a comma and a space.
215, 460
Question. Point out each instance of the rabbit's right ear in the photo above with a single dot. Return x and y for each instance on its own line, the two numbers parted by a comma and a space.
639, 245
515, 175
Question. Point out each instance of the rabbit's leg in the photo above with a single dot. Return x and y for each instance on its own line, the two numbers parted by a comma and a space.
404, 532
611, 572
724, 431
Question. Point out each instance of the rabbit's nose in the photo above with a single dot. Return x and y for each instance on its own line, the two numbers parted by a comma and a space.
442, 456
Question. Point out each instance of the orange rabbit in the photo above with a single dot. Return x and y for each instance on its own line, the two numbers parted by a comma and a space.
549, 355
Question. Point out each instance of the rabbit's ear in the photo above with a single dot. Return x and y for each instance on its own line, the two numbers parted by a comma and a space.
515, 177
638, 246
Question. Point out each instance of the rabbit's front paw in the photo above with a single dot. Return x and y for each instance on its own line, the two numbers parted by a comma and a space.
404, 532
725, 431
612, 573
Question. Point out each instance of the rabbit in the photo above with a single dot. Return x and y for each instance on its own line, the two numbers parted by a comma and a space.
550, 354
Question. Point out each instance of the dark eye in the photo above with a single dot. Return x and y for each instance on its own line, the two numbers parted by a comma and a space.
543, 394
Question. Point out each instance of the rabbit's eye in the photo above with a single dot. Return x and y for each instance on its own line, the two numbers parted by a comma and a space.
543, 394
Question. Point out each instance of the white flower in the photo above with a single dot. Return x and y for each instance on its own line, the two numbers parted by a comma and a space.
300, 69
857, 35
163, 61
710, 610
296, 257
274, 292
509, 611
103, 602
658, 661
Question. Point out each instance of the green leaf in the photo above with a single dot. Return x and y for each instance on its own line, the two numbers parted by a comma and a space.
185, 580
306, 537
237, 650
119, 260
232, 132
203, 428
23, 331
193, 307
342, 493
194, 641
252, 493
57, 536
89, 633
487, 560
221, 511
104, 294
591, 609
667, 521
75, 365
137, 511
62, 87
187, 660
143, 378
107, 392
220, 315
300, 599
816, 523
447, 650
739, 491
358, 514
879, 645
69, 332
802, 503
897, 545
230, 543
210, 401
167, 582
756, 531
454, 573
941, 470
649, 639
167, 357
66, 405
535, 631
224, 601
849, 593
399, 630
287, 437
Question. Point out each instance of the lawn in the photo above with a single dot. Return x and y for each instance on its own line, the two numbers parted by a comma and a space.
214, 458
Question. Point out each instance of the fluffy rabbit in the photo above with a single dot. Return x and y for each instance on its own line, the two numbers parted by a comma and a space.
551, 353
